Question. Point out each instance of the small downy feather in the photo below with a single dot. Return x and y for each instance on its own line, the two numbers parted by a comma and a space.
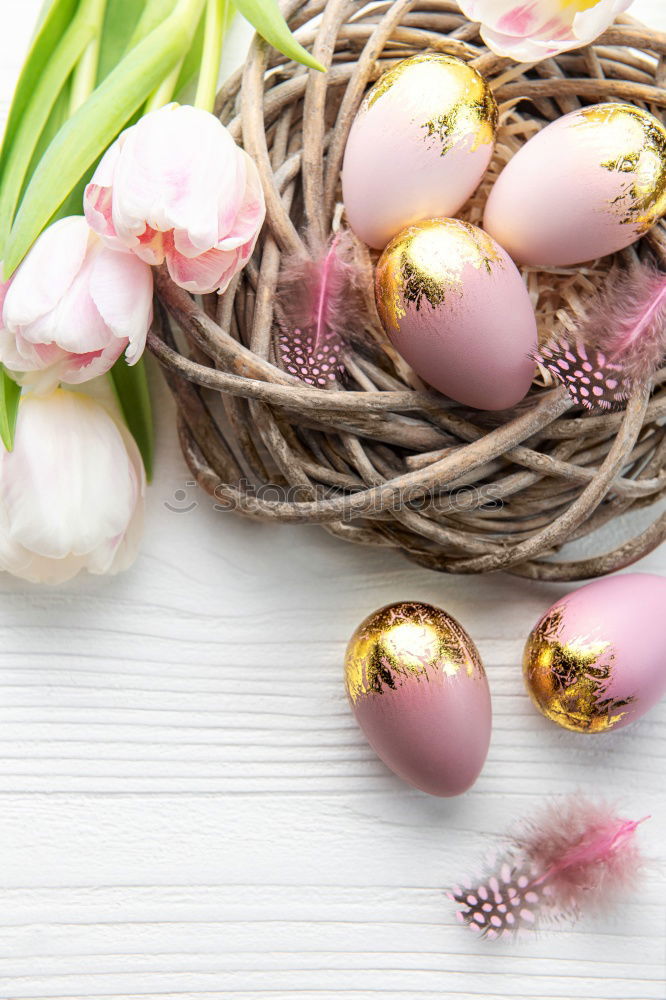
578, 855
620, 344
319, 298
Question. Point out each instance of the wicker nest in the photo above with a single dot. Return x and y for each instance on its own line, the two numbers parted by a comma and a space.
382, 459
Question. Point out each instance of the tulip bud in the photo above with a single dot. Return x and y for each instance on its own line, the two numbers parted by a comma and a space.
529, 32
176, 187
71, 491
72, 307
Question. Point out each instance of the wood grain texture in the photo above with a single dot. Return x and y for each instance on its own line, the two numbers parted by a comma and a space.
188, 810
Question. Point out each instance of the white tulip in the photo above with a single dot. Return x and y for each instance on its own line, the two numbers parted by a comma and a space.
71, 491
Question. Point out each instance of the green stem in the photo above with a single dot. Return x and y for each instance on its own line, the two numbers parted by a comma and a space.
85, 74
231, 13
153, 14
165, 91
215, 28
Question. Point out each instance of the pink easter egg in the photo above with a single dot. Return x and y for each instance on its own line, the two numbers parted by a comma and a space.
418, 147
419, 692
454, 305
587, 185
595, 661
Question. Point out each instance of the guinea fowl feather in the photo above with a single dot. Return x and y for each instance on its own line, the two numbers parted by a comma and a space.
619, 345
319, 299
578, 855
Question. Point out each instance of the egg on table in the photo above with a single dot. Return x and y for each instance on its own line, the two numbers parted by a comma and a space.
418, 147
596, 661
590, 183
454, 305
419, 692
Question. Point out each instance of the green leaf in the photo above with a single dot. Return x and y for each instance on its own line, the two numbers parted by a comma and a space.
155, 11
50, 30
120, 20
266, 17
35, 116
10, 394
96, 123
73, 203
57, 118
131, 388
191, 62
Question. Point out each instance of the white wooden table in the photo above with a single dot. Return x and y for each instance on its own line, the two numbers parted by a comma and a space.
188, 810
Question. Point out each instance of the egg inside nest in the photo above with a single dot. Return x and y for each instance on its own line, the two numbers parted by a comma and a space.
559, 295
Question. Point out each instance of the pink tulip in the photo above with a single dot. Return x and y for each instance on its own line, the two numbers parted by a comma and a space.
176, 187
531, 30
72, 307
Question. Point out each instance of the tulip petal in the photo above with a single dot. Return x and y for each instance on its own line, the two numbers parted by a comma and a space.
121, 286
251, 214
75, 323
97, 197
66, 488
230, 199
102, 309
47, 272
125, 549
173, 166
4, 288
15, 353
205, 273
523, 19
78, 368
589, 24
521, 49
38, 367
181, 190
532, 30
13, 557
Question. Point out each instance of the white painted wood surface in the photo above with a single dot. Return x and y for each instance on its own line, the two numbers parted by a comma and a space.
188, 810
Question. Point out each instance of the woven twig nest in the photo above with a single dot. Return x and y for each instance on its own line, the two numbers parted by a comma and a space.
382, 459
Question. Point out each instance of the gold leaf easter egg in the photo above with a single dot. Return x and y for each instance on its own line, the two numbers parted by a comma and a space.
454, 305
419, 692
590, 183
418, 147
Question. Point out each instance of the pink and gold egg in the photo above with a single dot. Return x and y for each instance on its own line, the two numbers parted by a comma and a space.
419, 693
590, 183
418, 147
454, 305
596, 660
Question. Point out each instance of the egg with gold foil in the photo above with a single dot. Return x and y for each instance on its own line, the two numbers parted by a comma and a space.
419, 692
590, 183
418, 147
596, 661
454, 305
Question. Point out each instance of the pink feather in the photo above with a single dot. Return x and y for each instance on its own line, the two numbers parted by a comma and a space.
319, 298
576, 856
620, 344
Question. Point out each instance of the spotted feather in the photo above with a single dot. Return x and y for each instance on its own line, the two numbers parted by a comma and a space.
591, 379
620, 343
578, 854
